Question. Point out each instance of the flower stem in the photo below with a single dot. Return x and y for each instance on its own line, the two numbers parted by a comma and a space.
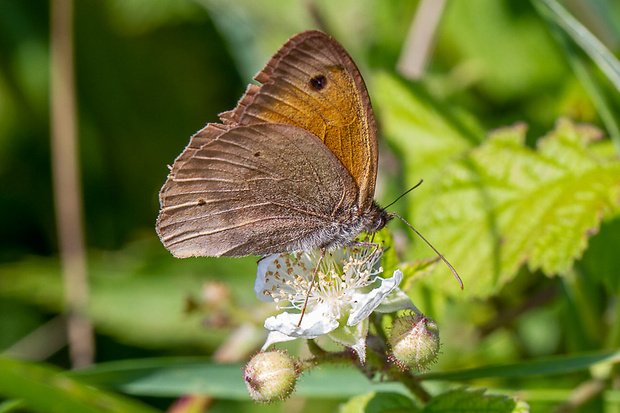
315, 349
344, 358
381, 363
410, 381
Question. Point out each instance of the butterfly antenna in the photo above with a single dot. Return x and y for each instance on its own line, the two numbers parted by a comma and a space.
429, 244
405, 193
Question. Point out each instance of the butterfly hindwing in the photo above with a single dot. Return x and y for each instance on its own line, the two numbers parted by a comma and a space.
255, 189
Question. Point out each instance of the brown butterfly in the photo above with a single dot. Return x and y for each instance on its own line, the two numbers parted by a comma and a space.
292, 167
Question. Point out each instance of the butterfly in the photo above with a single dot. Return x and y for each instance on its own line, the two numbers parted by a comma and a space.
292, 167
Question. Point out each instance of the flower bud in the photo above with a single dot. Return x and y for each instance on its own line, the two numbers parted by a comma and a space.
270, 375
414, 340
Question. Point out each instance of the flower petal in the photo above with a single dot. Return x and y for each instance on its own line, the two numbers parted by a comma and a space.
276, 337
396, 300
261, 271
313, 324
364, 304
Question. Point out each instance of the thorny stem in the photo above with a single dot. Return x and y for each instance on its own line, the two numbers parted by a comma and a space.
382, 364
376, 321
375, 364
343, 358
316, 349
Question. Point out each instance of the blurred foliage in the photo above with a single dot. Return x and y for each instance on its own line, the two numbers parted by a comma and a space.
509, 128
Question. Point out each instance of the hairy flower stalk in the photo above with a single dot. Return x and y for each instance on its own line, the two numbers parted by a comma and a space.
347, 289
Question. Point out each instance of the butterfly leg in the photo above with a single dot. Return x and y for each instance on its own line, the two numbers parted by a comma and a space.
314, 274
362, 244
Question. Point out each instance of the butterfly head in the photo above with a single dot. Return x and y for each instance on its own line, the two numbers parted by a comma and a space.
376, 218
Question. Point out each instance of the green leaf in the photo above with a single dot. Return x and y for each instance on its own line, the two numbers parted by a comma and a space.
379, 403
45, 389
178, 376
465, 401
538, 367
506, 205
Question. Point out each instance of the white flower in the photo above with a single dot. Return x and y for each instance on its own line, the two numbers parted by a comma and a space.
346, 291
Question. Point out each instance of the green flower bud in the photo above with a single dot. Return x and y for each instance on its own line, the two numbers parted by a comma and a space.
270, 375
414, 340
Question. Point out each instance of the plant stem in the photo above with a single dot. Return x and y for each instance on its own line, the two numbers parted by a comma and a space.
410, 381
67, 193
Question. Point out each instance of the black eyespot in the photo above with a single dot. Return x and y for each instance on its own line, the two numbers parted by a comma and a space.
257, 154
201, 202
318, 82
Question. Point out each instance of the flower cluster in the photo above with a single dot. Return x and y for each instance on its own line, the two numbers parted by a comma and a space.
346, 289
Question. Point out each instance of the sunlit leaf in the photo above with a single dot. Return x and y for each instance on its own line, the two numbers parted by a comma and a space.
506, 205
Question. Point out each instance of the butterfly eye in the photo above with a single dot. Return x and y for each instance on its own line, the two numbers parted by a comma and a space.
318, 82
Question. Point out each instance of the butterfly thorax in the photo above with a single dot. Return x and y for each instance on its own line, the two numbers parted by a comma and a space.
344, 232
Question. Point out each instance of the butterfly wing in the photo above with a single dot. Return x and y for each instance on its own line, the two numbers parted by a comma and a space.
313, 83
253, 190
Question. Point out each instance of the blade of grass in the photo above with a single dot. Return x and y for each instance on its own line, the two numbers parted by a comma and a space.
45, 389
66, 179
13, 405
604, 59
173, 377
177, 376
564, 25
540, 367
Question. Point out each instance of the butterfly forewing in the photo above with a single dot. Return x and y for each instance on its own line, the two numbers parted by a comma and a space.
255, 189
313, 83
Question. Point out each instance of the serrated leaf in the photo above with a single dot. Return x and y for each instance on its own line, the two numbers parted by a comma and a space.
506, 205
45, 389
465, 401
379, 403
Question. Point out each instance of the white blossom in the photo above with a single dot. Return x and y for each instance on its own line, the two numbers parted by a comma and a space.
345, 292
